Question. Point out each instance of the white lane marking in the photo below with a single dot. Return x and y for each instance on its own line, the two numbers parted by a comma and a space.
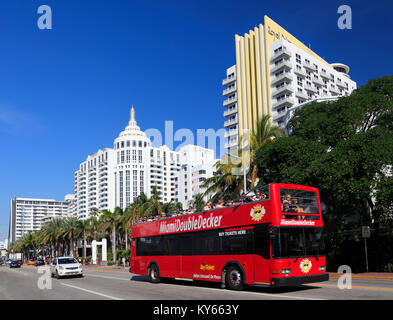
91, 291
244, 292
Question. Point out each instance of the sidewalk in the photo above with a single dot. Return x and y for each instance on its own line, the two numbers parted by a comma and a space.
366, 275
105, 267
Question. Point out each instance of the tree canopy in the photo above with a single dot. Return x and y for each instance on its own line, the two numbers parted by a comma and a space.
344, 148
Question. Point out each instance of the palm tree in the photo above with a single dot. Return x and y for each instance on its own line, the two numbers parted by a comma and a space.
70, 232
264, 133
224, 184
109, 221
52, 231
94, 223
153, 206
197, 202
126, 220
83, 228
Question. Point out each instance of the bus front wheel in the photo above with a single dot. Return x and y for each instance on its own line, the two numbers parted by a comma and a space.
234, 278
153, 274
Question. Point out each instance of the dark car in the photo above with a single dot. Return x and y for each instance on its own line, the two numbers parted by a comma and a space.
15, 264
39, 262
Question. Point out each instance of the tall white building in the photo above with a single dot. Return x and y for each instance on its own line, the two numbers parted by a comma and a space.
93, 183
28, 214
115, 177
197, 164
231, 112
298, 76
274, 72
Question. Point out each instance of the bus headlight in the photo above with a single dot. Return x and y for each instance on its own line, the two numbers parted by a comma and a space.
285, 271
322, 268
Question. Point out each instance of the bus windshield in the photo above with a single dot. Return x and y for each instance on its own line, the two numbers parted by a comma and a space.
297, 242
299, 201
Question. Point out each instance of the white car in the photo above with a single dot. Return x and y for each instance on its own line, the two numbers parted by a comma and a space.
65, 266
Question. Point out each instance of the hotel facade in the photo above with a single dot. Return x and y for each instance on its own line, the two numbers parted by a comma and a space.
115, 177
28, 214
274, 72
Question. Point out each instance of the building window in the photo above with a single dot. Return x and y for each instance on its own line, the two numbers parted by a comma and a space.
121, 188
133, 155
135, 184
127, 187
140, 156
122, 156
141, 181
128, 157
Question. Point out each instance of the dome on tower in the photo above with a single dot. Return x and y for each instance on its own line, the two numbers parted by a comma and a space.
132, 131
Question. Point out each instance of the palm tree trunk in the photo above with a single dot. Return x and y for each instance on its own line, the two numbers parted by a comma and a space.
114, 243
84, 246
126, 239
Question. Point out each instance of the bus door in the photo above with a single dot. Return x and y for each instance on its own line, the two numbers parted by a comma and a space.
262, 263
180, 255
206, 253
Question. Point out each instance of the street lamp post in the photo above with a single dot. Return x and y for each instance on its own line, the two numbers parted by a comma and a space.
244, 174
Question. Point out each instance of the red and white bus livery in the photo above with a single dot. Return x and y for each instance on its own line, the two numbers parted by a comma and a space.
275, 242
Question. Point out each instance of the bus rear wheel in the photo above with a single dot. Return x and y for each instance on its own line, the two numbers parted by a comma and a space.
234, 278
153, 274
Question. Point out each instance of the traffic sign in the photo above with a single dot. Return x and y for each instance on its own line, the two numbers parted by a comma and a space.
366, 232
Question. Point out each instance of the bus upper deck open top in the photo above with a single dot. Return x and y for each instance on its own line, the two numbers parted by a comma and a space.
275, 242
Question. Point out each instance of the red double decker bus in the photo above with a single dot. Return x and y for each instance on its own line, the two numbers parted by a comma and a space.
275, 241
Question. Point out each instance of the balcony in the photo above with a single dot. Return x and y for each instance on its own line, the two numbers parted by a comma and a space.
309, 66
230, 122
324, 75
283, 52
334, 90
287, 100
310, 88
231, 144
282, 89
300, 72
228, 91
230, 111
281, 77
342, 85
278, 114
283, 64
230, 133
301, 95
318, 81
229, 101
228, 81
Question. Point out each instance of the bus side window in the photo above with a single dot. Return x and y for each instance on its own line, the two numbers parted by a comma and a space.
180, 244
262, 241
207, 242
152, 246
237, 244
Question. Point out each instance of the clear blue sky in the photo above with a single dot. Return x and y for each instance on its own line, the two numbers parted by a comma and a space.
66, 92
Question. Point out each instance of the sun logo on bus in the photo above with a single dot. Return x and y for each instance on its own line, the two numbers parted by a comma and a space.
305, 265
257, 213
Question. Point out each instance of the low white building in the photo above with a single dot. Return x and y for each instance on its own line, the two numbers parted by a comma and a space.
29, 214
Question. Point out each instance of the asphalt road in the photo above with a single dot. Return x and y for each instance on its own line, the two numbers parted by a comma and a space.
115, 284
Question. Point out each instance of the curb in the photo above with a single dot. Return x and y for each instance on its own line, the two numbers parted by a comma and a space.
337, 275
